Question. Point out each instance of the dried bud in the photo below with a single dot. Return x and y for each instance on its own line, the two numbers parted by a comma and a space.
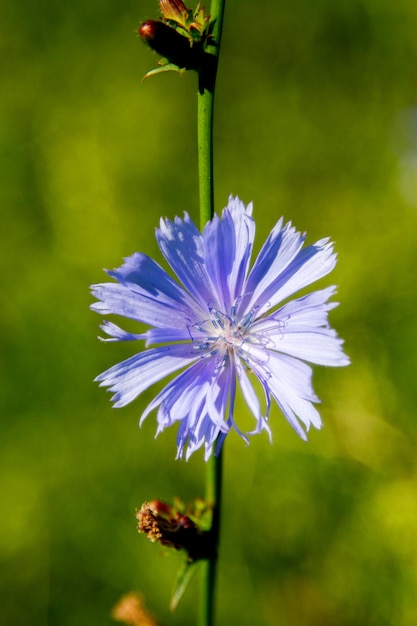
167, 42
165, 524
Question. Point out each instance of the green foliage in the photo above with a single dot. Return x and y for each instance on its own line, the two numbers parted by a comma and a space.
314, 120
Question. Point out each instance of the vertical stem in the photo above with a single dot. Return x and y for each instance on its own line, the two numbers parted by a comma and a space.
207, 82
213, 495
205, 155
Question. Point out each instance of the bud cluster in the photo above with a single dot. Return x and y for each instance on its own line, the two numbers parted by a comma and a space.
179, 35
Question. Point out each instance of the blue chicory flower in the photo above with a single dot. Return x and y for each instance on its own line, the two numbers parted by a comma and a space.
220, 324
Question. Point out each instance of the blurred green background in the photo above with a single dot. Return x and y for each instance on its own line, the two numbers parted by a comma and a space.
316, 119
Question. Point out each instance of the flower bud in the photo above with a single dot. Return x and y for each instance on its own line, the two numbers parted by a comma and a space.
175, 10
167, 42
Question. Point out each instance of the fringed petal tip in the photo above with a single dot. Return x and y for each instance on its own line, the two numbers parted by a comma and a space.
118, 334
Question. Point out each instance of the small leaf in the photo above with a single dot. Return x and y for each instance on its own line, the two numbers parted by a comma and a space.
169, 67
184, 576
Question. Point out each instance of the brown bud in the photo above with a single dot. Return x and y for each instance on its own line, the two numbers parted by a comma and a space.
162, 523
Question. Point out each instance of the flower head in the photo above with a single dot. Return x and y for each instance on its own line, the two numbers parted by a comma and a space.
222, 324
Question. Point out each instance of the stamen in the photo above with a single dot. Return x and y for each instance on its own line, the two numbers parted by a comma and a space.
231, 335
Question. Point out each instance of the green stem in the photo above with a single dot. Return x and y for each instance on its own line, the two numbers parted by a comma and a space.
206, 88
205, 156
207, 82
214, 489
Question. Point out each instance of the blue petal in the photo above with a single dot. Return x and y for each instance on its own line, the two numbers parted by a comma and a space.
280, 248
224, 397
197, 399
253, 403
130, 377
321, 347
306, 312
228, 246
167, 335
139, 270
293, 374
248, 392
311, 264
300, 328
182, 396
289, 382
182, 246
146, 293
118, 334
283, 268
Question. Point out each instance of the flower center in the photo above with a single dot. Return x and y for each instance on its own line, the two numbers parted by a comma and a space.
222, 334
